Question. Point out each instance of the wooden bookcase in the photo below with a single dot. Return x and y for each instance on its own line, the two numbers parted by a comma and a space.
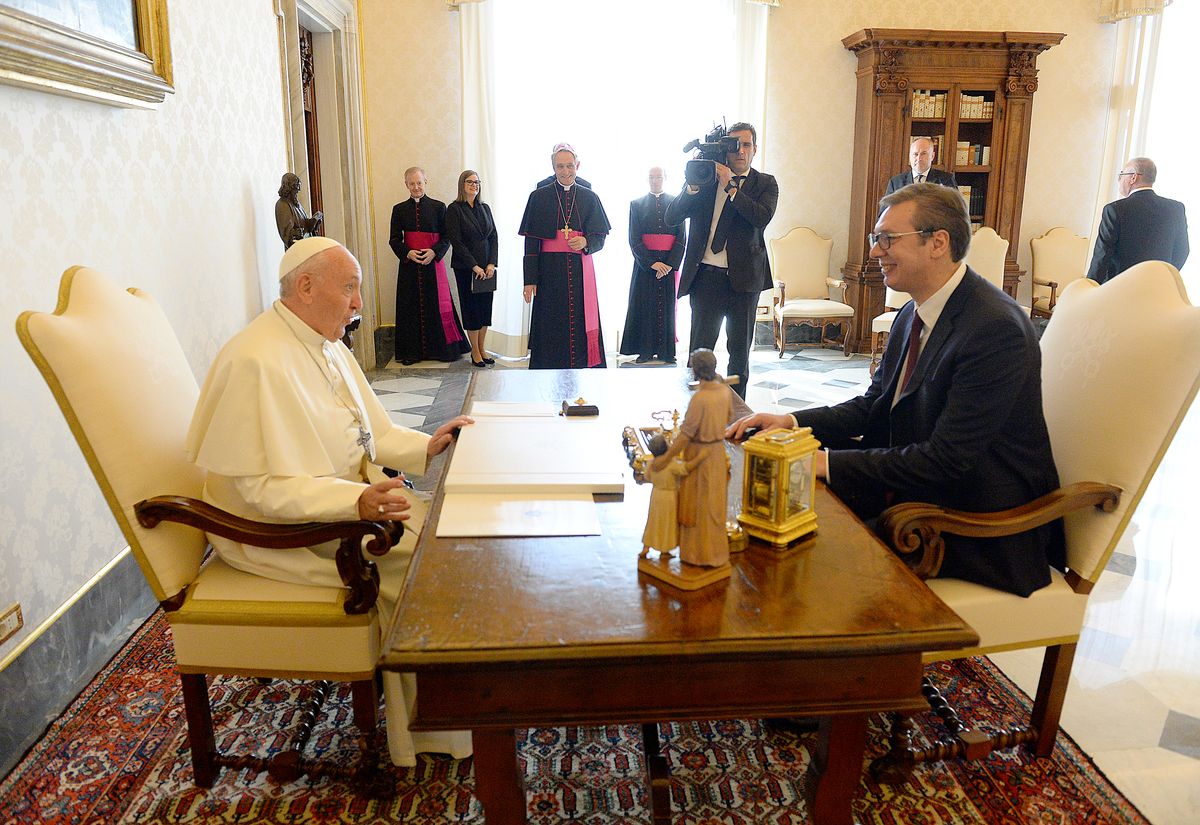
986, 82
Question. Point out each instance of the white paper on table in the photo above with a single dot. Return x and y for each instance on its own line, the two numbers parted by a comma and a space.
478, 515
534, 455
522, 408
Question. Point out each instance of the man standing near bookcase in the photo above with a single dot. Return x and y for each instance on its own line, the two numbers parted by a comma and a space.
1140, 226
920, 158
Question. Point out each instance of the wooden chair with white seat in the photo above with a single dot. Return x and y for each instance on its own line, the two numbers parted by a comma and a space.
1111, 411
881, 325
986, 255
1059, 257
121, 380
800, 262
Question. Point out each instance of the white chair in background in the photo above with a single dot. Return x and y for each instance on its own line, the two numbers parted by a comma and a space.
881, 326
1059, 257
986, 255
800, 263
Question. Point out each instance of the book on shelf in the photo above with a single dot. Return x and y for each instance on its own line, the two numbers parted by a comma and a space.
975, 107
928, 103
962, 151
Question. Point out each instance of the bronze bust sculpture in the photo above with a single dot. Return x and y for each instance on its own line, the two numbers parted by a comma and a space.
290, 217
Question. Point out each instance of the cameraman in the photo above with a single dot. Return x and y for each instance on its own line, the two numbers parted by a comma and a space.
725, 267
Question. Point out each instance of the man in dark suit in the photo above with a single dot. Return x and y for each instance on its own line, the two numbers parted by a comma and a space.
725, 266
1139, 227
953, 415
920, 158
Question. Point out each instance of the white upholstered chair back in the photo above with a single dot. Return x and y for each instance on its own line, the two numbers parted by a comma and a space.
986, 255
1120, 367
894, 299
801, 260
121, 380
1060, 256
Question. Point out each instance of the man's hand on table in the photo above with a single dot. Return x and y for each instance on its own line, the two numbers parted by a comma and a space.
446, 433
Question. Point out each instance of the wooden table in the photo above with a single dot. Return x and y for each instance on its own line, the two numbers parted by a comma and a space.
508, 633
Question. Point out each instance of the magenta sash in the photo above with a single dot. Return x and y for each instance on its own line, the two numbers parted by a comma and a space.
426, 240
661, 242
658, 242
591, 305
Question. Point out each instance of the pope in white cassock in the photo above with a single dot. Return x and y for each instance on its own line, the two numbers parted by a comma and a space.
289, 431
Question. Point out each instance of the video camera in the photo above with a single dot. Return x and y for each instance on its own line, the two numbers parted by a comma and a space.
714, 149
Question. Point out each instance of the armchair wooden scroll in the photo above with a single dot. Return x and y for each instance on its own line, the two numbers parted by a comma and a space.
1120, 367
1059, 257
122, 382
800, 263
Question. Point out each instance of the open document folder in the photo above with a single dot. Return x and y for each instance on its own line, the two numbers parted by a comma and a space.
523, 470
528, 448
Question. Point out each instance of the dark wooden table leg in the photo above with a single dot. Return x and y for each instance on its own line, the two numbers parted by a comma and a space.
660, 777
839, 758
499, 783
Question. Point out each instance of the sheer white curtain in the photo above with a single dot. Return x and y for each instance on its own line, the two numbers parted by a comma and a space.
1129, 102
627, 82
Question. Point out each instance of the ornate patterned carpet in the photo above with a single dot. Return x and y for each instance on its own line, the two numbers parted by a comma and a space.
119, 755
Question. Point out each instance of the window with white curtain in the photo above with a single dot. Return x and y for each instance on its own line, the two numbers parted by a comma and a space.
627, 83
1171, 131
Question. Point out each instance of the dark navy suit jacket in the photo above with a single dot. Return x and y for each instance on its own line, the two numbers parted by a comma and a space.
751, 211
967, 433
932, 176
1140, 227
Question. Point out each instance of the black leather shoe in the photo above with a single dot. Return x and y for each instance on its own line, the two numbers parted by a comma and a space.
480, 364
489, 361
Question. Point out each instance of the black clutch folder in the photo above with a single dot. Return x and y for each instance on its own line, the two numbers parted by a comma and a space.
483, 284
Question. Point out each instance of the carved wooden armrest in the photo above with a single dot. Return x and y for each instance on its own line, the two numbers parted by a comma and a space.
358, 574
914, 529
781, 294
1053, 285
837, 283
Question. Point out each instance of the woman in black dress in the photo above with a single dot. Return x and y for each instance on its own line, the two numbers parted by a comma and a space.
472, 235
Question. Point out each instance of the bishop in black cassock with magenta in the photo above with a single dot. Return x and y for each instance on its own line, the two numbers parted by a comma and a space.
564, 330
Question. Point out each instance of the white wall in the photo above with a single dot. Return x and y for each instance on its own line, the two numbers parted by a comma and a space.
178, 201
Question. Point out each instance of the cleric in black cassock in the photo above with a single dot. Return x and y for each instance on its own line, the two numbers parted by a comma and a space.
564, 225
427, 325
657, 253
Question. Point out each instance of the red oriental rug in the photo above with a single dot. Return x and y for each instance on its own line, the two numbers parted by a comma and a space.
119, 755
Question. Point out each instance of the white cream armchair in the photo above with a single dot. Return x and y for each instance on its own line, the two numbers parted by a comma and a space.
986, 255
1120, 368
881, 325
122, 382
800, 264
1059, 257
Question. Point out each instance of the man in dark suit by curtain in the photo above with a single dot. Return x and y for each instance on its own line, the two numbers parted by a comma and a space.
725, 266
920, 158
953, 415
1139, 227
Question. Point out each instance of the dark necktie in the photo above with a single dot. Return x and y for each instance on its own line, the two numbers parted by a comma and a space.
721, 232
914, 350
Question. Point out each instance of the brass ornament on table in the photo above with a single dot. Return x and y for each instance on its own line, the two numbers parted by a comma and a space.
777, 485
636, 441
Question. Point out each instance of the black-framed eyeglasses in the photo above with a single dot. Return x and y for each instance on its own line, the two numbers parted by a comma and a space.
471, 182
884, 239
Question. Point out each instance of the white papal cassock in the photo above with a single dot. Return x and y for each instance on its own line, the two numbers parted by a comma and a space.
277, 429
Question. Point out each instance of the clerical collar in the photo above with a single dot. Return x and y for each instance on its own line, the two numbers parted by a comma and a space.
306, 334
564, 188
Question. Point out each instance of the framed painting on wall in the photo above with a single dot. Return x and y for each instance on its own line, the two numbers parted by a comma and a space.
112, 51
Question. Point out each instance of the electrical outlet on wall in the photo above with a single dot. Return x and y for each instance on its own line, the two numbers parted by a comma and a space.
10, 622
